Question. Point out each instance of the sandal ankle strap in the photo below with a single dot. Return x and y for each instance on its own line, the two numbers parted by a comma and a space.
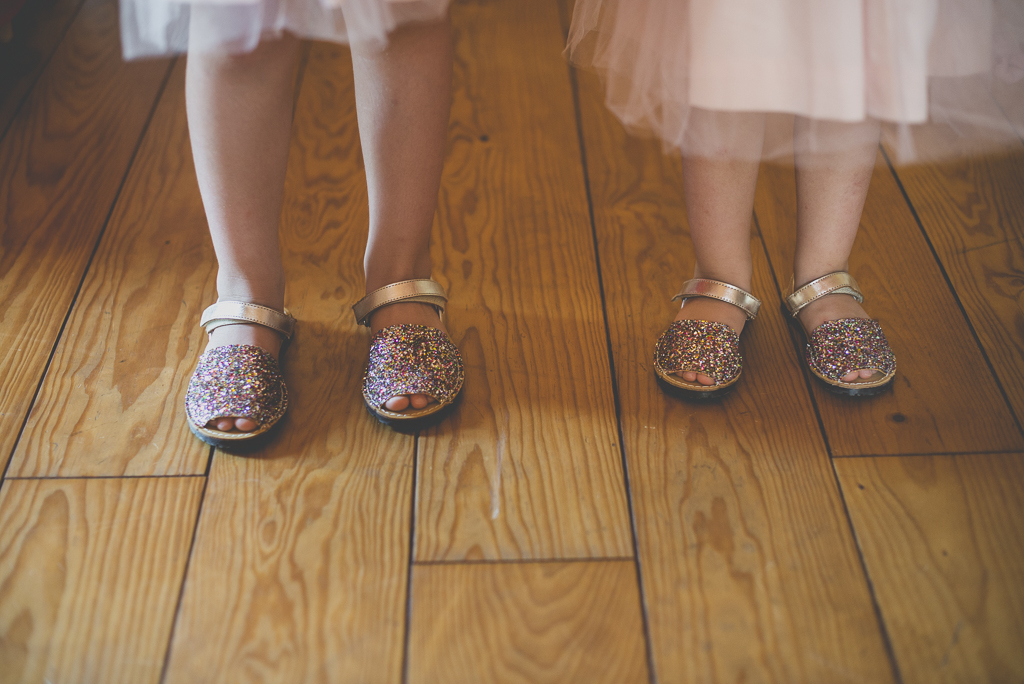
839, 282
420, 290
236, 313
716, 289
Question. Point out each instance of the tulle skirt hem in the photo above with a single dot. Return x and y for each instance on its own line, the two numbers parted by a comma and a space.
153, 28
943, 78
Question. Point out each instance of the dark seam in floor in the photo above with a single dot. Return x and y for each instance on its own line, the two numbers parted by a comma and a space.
184, 573
88, 265
952, 289
407, 636
525, 561
574, 84
884, 632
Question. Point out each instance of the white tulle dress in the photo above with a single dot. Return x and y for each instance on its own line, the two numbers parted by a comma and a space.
943, 76
152, 28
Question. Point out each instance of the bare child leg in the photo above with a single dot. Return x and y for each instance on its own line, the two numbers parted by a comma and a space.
719, 182
831, 188
403, 100
239, 115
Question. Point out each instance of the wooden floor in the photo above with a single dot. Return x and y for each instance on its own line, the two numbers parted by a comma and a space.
569, 523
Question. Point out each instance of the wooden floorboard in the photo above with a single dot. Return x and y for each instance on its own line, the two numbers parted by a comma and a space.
748, 565
61, 165
300, 568
90, 572
944, 399
973, 213
526, 623
301, 562
529, 466
111, 402
38, 30
943, 540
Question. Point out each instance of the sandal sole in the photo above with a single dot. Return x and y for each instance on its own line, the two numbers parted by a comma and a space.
411, 425
232, 445
855, 392
695, 396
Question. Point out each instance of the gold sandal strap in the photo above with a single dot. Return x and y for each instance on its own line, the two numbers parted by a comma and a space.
235, 313
421, 290
716, 289
839, 282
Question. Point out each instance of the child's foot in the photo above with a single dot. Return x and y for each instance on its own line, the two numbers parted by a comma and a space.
411, 313
708, 309
831, 308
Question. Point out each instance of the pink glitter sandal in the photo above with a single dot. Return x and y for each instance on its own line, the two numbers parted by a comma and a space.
838, 347
409, 359
706, 347
238, 380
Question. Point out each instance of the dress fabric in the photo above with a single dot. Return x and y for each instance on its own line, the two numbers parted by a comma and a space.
943, 76
151, 28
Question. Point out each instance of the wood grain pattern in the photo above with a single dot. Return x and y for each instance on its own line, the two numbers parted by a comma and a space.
932, 408
300, 568
112, 400
38, 29
526, 623
943, 540
90, 572
516, 254
301, 561
973, 213
61, 164
748, 566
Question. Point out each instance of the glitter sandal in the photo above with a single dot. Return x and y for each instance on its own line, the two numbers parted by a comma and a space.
409, 359
842, 346
238, 380
706, 347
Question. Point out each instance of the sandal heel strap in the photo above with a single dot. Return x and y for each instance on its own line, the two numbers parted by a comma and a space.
420, 290
235, 313
839, 282
716, 289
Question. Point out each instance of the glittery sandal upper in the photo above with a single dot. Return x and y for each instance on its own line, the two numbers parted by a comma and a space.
705, 347
412, 359
839, 347
700, 346
240, 381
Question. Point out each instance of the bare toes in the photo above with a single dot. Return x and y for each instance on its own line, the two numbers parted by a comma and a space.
704, 380
245, 425
419, 401
689, 376
399, 403
866, 373
223, 424
852, 376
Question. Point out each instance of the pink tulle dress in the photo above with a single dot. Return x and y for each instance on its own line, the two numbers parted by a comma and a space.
943, 76
152, 28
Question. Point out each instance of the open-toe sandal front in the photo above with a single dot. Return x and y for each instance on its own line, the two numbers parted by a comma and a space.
238, 380
705, 347
836, 348
409, 359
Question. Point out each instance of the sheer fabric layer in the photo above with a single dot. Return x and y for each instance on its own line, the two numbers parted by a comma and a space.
152, 28
943, 76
